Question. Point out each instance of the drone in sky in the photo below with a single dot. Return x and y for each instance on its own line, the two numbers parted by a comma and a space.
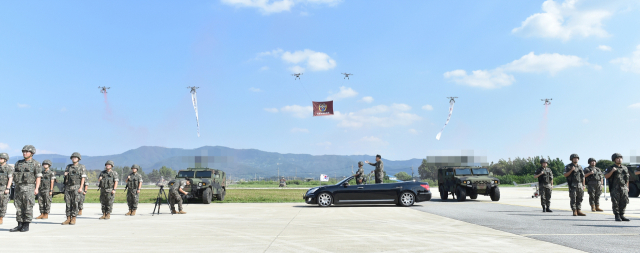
297, 75
346, 75
452, 99
193, 89
103, 89
547, 101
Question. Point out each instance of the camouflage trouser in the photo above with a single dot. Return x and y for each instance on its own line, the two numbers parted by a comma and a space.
24, 200
4, 201
619, 199
81, 200
595, 190
576, 194
174, 198
44, 201
106, 200
545, 196
71, 198
132, 199
379, 177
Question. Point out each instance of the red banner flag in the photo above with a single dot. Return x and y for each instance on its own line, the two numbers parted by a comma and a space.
323, 108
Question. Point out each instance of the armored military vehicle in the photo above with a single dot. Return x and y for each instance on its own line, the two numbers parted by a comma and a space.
206, 184
461, 182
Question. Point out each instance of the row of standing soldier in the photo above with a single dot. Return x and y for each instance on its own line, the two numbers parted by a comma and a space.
592, 178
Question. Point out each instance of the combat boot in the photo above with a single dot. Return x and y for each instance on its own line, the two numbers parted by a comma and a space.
580, 213
618, 217
1, 220
80, 212
108, 216
598, 208
133, 212
173, 212
182, 212
46, 216
18, 228
40, 217
544, 209
574, 213
25, 227
129, 213
549, 210
73, 220
593, 208
67, 221
102, 217
623, 218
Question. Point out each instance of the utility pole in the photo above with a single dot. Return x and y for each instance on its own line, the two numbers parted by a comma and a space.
411, 172
277, 164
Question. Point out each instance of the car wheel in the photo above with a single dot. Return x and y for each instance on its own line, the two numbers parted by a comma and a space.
444, 195
461, 193
324, 199
633, 190
407, 199
220, 196
206, 196
495, 194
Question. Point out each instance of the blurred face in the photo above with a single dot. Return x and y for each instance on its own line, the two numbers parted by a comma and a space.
592, 163
75, 159
618, 160
26, 154
544, 165
108, 166
575, 160
2, 161
188, 182
134, 170
377, 159
45, 166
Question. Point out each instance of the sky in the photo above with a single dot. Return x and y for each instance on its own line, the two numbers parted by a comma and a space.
498, 57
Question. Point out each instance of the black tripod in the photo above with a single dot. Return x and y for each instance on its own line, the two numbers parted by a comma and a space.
159, 199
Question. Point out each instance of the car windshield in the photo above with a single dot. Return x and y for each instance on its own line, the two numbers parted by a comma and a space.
463, 171
185, 174
345, 180
203, 174
481, 171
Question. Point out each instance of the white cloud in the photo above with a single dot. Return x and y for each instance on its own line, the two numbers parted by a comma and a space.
296, 69
427, 107
401, 107
4, 146
372, 140
481, 78
271, 110
377, 116
274, 53
604, 48
635, 106
298, 111
276, 6
255, 89
629, 64
585, 121
367, 99
299, 130
23, 105
44, 152
345, 92
312, 60
564, 21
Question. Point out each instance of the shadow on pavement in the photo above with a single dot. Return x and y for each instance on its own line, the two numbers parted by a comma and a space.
606, 226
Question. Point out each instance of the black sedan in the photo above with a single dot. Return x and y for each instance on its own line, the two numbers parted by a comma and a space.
342, 193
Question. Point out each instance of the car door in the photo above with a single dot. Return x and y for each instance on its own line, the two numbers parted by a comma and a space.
382, 193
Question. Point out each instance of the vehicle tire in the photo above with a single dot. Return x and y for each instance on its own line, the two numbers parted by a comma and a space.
220, 196
495, 194
325, 199
206, 196
633, 190
461, 193
444, 195
407, 199
473, 196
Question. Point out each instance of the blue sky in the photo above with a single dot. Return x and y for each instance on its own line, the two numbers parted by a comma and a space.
499, 57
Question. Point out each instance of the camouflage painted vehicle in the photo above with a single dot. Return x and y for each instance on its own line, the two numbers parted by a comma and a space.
206, 184
634, 181
461, 182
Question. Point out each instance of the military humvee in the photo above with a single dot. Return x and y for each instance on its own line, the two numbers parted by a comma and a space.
461, 182
634, 182
205, 184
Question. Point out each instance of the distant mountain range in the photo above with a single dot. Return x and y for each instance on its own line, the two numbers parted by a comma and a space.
237, 163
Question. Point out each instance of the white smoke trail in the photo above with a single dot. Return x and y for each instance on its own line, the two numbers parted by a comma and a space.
195, 107
448, 118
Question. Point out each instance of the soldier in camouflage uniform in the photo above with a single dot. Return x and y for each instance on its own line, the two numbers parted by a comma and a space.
6, 178
174, 194
74, 177
26, 175
379, 170
618, 176
134, 183
46, 190
359, 176
545, 184
81, 197
594, 178
575, 179
108, 183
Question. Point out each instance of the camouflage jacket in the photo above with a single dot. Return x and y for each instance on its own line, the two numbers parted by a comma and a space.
597, 175
619, 178
26, 172
108, 179
133, 180
74, 175
359, 176
576, 177
6, 172
45, 181
178, 184
379, 166
545, 180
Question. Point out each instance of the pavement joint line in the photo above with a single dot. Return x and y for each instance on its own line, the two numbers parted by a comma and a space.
568, 210
285, 227
579, 234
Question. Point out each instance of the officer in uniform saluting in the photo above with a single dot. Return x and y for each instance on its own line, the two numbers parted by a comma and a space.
26, 175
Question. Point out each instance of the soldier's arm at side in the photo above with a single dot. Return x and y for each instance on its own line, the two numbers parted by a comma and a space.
53, 179
115, 185
140, 185
9, 184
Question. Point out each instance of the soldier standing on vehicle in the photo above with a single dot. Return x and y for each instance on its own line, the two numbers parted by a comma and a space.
27, 173
594, 178
174, 194
134, 183
108, 183
74, 177
545, 183
379, 170
575, 179
81, 197
46, 190
359, 176
6, 178
618, 176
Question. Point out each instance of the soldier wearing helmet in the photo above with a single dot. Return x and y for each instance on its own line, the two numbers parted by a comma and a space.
545, 183
618, 176
108, 183
134, 183
575, 179
594, 177
75, 176
359, 176
176, 189
6, 179
46, 190
26, 176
